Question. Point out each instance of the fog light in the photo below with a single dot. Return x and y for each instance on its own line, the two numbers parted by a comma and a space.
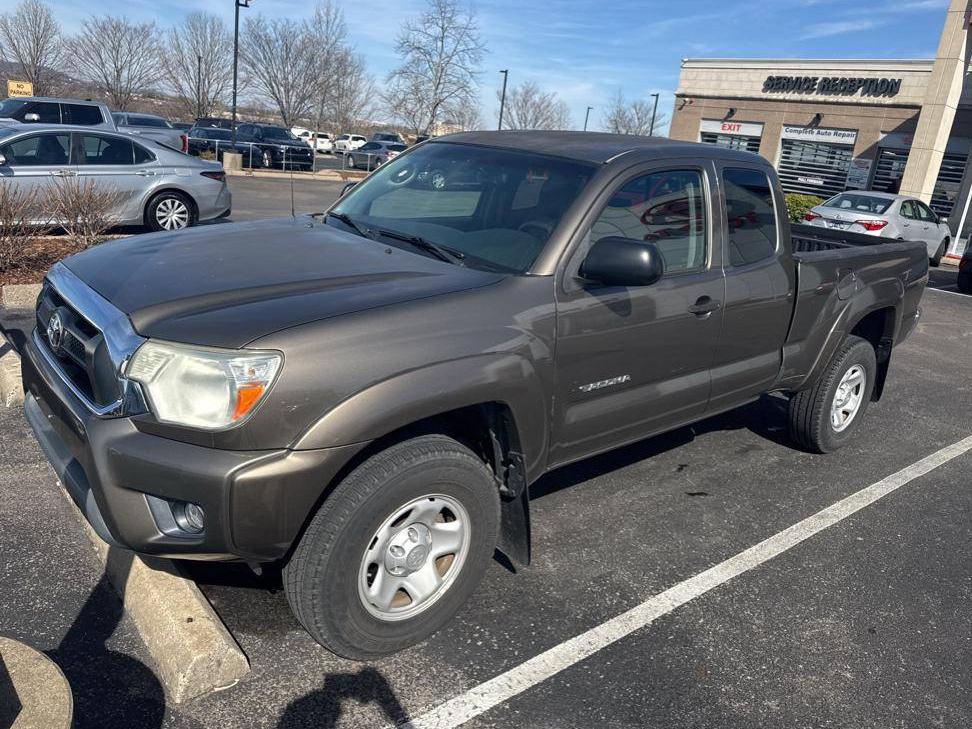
190, 517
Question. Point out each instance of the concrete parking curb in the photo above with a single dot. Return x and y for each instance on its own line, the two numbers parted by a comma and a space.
34, 694
193, 651
323, 175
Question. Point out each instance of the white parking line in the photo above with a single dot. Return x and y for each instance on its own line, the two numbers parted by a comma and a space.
956, 292
482, 698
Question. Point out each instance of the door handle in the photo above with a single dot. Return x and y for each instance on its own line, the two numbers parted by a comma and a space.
704, 306
64, 173
146, 173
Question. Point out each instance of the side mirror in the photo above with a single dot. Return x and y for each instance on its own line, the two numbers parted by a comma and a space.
347, 188
3, 161
943, 220
31, 117
617, 261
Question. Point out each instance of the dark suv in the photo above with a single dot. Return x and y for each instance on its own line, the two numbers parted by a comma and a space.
268, 145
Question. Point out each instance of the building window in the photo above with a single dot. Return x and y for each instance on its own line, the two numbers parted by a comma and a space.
814, 168
747, 144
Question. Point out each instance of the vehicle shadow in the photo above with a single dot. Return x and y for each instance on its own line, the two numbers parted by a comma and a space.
110, 689
322, 708
765, 417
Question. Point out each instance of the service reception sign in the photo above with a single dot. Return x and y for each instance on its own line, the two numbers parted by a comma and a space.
20, 88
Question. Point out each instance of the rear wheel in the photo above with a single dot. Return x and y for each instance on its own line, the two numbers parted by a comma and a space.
396, 549
936, 260
170, 210
266, 159
824, 417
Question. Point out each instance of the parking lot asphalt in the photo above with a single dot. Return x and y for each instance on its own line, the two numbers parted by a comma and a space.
865, 624
266, 197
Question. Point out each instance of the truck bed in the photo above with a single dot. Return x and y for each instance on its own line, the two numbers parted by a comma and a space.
834, 269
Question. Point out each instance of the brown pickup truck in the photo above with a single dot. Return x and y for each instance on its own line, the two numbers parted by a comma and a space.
365, 396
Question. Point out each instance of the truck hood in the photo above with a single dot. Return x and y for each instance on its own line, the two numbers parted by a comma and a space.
227, 285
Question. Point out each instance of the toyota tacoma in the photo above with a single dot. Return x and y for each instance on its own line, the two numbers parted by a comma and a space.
365, 396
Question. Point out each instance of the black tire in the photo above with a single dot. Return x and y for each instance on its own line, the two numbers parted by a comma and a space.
266, 159
965, 282
153, 219
936, 260
321, 579
810, 410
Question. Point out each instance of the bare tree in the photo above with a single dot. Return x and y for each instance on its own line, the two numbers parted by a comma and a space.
634, 117
352, 91
441, 53
118, 56
280, 59
467, 118
528, 107
196, 63
329, 33
31, 38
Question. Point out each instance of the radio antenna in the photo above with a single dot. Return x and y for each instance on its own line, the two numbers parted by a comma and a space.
293, 212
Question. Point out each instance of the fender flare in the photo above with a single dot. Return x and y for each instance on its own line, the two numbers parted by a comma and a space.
417, 394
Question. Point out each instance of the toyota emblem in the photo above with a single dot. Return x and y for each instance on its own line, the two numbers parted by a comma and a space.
55, 332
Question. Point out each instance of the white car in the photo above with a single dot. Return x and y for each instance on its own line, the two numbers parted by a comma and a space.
301, 133
347, 142
322, 142
885, 215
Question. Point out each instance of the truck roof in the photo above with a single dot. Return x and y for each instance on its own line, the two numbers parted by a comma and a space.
597, 147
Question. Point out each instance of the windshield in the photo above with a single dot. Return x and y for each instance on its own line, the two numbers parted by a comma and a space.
9, 107
277, 133
213, 133
859, 203
497, 207
148, 121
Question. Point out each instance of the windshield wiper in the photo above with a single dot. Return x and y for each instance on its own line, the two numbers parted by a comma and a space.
348, 221
443, 253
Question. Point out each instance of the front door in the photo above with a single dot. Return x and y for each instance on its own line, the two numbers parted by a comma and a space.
33, 164
633, 361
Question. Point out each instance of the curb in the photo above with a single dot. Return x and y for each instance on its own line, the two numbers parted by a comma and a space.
34, 692
322, 176
193, 651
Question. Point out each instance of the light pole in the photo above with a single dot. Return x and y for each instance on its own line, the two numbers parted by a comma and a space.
236, 58
587, 116
651, 129
199, 104
506, 73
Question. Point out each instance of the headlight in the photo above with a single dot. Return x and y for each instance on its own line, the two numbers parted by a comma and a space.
202, 388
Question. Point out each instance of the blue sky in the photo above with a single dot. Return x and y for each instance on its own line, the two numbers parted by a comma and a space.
587, 50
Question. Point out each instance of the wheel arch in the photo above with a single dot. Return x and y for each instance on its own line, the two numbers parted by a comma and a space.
164, 189
877, 327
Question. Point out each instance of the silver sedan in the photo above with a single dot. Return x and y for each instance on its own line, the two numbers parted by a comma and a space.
155, 186
885, 215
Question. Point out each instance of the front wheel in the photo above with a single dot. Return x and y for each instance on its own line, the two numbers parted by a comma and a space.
396, 549
823, 417
936, 260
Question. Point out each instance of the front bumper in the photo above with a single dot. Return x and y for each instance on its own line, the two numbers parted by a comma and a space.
124, 480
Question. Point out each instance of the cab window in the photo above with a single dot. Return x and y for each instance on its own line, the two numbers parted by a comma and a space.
908, 210
924, 213
750, 216
666, 208
83, 115
39, 150
47, 112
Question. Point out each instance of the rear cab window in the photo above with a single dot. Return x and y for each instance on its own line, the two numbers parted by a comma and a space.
751, 225
84, 115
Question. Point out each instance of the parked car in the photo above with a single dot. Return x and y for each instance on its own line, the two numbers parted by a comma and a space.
365, 397
323, 142
302, 133
272, 146
183, 126
347, 142
885, 215
215, 140
392, 137
153, 127
156, 186
45, 110
370, 155
214, 121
